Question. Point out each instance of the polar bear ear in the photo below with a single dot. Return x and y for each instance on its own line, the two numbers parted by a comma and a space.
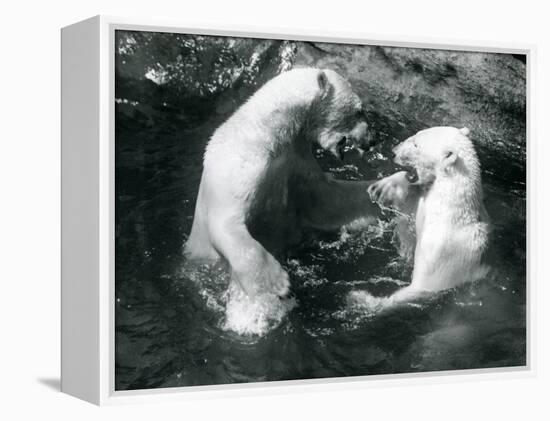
323, 82
449, 158
465, 131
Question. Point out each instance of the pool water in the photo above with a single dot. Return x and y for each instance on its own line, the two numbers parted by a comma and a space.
182, 325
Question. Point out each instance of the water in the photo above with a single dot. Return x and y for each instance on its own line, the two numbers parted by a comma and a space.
178, 326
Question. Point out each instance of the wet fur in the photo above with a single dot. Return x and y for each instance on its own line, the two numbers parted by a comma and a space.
261, 184
451, 224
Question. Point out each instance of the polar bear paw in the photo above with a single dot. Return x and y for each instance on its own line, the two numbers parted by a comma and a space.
276, 278
262, 275
390, 191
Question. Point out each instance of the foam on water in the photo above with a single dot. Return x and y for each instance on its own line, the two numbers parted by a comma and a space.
367, 303
355, 238
254, 315
386, 279
239, 313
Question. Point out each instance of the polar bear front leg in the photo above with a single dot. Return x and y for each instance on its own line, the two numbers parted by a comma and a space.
252, 266
327, 204
397, 192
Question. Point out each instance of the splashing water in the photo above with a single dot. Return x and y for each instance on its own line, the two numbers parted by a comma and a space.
367, 303
254, 316
183, 325
238, 312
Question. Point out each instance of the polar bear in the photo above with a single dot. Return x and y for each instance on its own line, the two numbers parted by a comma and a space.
442, 190
261, 184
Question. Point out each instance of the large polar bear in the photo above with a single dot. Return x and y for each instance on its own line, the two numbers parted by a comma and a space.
442, 189
261, 184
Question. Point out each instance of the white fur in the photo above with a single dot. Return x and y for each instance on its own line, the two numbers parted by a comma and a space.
255, 162
451, 223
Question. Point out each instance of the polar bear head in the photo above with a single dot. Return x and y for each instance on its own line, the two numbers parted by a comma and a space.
338, 119
438, 152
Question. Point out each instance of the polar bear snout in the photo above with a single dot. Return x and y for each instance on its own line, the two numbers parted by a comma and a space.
363, 139
359, 133
358, 138
403, 156
419, 169
404, 153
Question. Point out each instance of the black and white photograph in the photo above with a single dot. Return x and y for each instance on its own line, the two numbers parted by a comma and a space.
291, 210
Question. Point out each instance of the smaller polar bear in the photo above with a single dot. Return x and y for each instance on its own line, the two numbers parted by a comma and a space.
442, 191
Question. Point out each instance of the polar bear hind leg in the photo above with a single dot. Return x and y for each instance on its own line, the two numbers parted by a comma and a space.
198, 247
252, 266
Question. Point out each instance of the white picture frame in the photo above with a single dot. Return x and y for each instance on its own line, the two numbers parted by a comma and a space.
88, 212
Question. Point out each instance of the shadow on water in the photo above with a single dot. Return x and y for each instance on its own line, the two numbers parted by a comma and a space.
170, 321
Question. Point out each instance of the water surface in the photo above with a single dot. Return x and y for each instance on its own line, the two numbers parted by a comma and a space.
171, 320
